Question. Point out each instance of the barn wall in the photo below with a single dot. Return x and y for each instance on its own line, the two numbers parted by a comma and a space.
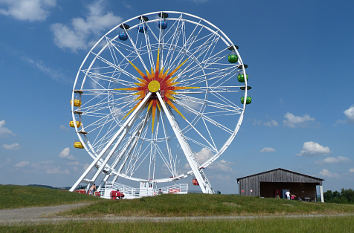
252, 183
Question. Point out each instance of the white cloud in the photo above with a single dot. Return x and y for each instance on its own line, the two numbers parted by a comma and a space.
63, 127
22, 164
31, 10
199, 1
351, 170
50, 72
78, 35
337, 159
271, 123
13, 146
295, 121
349, 113
3, 130
313, 148
65, 154
49, 167
57, 170
267, 149
327, 173
203, 155
221, 165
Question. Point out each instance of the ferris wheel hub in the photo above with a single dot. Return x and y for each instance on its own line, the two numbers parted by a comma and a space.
154, 86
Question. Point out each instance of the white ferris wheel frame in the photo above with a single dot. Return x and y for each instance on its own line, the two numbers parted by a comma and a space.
98, 159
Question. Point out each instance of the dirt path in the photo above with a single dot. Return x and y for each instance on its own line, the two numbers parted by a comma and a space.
41, 215
34, 214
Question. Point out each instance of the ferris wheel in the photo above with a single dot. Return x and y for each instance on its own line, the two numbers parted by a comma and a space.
158, 98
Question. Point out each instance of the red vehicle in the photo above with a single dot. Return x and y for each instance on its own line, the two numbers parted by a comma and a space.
195, 182
116, 194
81, 191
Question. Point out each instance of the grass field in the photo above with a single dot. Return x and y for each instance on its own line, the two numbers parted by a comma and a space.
16, 196
301, 225
206, 205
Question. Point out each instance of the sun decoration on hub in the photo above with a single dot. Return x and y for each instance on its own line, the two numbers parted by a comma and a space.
157, 80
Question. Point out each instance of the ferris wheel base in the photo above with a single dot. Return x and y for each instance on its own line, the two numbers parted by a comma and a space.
146, 189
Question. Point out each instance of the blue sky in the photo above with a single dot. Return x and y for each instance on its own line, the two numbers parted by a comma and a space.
300, 57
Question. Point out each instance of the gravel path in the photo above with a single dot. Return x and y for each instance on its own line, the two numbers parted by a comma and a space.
34, 214
41, 215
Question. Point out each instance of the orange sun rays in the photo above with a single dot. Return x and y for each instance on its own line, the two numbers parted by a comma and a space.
167, 88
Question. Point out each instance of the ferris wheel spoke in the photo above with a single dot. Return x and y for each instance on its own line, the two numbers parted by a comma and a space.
98, 98
117, 67
211, 47
207, 63
100, 140
125, 152
102, 77
136, 151
198, 51
98, 134
148, 45
133, 164
173, 60
150, 30
210, 103
210, 136
174, 41
111, 51
190, 41
225, 80
168, 147
224, 100
99, 109
135, 137
136, 49
202, 115
202, 145
201, 135
105, 91
164, 159
210, 76
199, 75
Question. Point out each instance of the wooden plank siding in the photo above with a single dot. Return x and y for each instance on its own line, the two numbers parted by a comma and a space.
250, 185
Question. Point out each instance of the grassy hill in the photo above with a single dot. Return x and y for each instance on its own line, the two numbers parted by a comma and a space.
270, 225
16, 196
206, 205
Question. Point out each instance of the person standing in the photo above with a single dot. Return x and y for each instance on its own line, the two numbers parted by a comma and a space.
287, 194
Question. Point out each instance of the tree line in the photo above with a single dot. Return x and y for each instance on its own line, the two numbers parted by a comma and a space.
345, 196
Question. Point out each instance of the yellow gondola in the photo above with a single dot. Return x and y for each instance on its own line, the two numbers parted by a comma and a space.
78, 124
78, 145
77, 103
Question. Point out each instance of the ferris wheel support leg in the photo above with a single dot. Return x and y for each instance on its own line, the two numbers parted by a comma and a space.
126, 123
199, 175
130, 150
132, 141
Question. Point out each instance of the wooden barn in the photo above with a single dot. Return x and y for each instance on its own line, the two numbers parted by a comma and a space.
276, 182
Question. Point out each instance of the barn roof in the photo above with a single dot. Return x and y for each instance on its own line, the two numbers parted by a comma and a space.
282, 169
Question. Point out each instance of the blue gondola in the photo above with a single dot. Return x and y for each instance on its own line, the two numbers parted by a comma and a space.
162, 25
142, 28
123, 36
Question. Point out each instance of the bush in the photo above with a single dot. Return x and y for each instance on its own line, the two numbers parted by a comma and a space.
345, 196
